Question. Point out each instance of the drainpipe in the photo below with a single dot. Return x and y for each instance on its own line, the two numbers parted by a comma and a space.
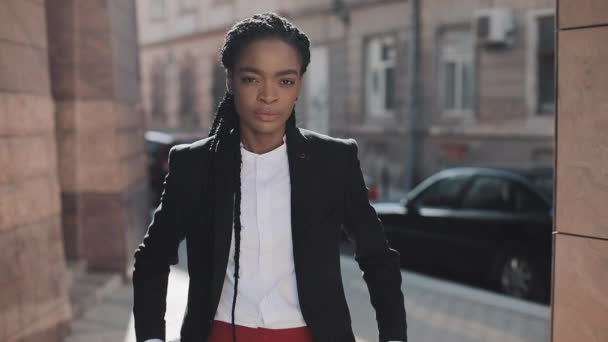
412, 87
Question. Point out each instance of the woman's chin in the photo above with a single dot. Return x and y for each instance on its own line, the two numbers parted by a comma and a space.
266, 127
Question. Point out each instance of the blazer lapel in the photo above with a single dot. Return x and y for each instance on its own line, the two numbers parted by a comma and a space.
301, 178
300, 174
223, 176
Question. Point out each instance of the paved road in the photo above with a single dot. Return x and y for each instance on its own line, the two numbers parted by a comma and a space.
437, 311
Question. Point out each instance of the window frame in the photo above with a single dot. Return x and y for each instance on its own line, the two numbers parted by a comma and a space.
460, 61
371, 110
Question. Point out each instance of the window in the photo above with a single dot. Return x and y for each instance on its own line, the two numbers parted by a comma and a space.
545, 60
380, 76
444, 193
158, 85
456, 71
187, 91
483, 26
157, 10
218, 88
526, 201
488, 193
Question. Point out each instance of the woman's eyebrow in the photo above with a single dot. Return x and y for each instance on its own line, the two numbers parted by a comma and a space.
260, 72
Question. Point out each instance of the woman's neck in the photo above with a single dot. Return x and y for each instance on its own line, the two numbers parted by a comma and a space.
261, 143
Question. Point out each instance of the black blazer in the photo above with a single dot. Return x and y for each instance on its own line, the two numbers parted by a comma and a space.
327, 190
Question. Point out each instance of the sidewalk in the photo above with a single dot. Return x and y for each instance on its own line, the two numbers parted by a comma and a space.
440, 311
437, 311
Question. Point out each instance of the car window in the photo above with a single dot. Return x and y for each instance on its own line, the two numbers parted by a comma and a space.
544, 185
443, 193
489, 193
525, 200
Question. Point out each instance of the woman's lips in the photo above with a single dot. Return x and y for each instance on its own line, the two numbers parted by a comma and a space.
266, 116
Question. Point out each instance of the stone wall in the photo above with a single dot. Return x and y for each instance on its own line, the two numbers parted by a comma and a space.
72, 160
95, 77
580, 299
34, 302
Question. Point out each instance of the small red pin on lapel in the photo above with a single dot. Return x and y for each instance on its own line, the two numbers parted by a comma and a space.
302, 155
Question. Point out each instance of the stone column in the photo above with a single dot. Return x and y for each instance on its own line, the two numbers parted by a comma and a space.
95, 80
34, 304
580, 290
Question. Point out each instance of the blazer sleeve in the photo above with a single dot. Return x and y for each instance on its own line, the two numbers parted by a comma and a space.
154, 255
379, 263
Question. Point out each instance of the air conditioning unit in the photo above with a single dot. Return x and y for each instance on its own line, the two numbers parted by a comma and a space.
495, 27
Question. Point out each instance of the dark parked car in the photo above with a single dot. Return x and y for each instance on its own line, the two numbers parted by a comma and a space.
480, 222
158, 144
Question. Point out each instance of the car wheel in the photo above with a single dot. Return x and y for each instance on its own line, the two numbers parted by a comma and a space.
517, 275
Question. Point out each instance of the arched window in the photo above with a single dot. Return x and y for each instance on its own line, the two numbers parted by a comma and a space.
158, 91
187, 92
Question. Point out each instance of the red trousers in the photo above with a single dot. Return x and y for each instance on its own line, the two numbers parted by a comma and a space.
222, 332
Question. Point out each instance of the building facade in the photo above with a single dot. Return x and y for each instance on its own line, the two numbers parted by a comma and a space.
473, 99
486, 84
72, 162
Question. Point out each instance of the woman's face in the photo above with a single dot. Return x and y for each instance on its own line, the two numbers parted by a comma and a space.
265, 82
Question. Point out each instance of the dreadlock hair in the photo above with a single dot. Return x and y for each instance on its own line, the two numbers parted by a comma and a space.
260, 26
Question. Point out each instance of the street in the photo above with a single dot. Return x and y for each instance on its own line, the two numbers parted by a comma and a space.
437, 311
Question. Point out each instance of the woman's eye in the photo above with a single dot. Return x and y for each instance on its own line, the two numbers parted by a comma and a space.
248, 79
288, 82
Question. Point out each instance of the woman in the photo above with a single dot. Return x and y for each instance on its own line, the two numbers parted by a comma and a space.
260, 203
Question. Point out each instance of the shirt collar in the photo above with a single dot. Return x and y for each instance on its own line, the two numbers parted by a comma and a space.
273, 155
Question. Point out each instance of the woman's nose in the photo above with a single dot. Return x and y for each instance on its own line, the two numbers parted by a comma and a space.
268, 94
